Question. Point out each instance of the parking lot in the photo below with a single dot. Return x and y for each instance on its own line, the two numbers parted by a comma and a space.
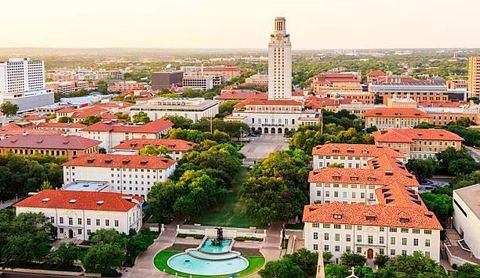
261, 146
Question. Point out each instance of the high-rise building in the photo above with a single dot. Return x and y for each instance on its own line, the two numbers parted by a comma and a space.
22, 82
474, 76
279, 62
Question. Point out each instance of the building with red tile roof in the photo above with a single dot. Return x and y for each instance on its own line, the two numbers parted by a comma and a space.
239, 94
127, 174
418, 143
371, 196
343, 81
13, 129
175, 147
111, 133
67, 128
388, 118
68, 146
77, 214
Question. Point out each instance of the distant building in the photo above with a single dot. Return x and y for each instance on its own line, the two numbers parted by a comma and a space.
444, 115
240, 94
474, 76
226, 72
408, 87
257, 80
457, 84
69, 146
22, 82
111, 133
175, 147
332, 81
201, 82
388, 118
125, 86
127, 174
66, 128
191, 108
418, 143
166, 79
464, 246
78, 214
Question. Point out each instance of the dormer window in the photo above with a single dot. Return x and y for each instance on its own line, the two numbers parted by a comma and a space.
371, 217
336, 177
354, 178
337, 216
404, 220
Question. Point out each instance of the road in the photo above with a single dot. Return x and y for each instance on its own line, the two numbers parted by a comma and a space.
262, 146
474, 153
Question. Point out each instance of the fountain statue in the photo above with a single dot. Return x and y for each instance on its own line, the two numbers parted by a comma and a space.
218, 241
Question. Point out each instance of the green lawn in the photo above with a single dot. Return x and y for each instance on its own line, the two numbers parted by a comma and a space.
229, 214
255, 263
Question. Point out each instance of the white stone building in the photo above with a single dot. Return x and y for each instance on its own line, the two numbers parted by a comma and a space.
191, 108
175, 147
22, 82
77, 214
127, 174
280, 62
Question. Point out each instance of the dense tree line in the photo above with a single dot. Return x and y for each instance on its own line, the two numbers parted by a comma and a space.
276, 187
20, 175
200, 181
232, 128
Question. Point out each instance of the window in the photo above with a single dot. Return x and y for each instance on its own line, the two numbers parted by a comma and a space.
70, 221
348, 237
359, 238
359, 228
337, 237
107, 222
392, 240
326, 226
415, 231
381, 240
315, 247
326, 247
359, 250
89, 232
97, 222
348, 227
382, 229
89, 221
79, 231
315, 235
393, 230
337, 226
79, 221
392, 252
370, 239
427, 254
415, 242
326, 236
337, 248
404, 230
61, 230
404, 252
116, 223
404, 241
427, 243
381, 251
52, 219
427, 232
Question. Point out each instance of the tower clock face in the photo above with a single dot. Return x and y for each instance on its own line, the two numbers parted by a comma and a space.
279, 37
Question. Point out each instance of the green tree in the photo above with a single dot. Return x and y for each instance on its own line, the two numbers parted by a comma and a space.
422, 168
416, 265
336, 271
151, 150
122, 116
65, 120
466, 271
102, 87
65, 255
281, 269
90, 120
306, 260
46, 185
103, 256
180, 122
440, 204
352, 259
8, 108
327, 256
226, 108
141, 117
381, 260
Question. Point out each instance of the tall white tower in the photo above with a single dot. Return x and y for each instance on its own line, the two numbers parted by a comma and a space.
279, 62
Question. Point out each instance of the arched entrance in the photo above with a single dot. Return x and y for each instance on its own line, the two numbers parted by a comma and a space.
265, 130
370, 253
280, 130
273, 130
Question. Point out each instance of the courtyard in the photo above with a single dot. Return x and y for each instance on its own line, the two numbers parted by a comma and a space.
262, 146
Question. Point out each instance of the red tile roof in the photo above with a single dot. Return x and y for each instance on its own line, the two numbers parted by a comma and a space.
171, 144
81, 200
396, 113
157, 126
121, 161
355, 150
60, 125
411, 134
321, 102
371, 215
376, 73
442, 104
33, 117
64, 142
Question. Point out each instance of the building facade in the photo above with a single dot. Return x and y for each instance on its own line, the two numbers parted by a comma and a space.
22, 82
418, 143
388, 118
166, 79
175, 147
191, 108
78, 214
200, 82
127, 174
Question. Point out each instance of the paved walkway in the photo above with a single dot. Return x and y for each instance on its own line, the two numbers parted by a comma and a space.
262, 146
144, 267
271, 246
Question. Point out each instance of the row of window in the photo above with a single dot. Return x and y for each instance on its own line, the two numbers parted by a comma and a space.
79, 221
359, 250
370, 239
360, 228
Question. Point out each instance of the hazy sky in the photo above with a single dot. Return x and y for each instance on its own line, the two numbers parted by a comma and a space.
313, 24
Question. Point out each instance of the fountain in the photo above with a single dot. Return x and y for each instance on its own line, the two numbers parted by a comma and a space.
219, 239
